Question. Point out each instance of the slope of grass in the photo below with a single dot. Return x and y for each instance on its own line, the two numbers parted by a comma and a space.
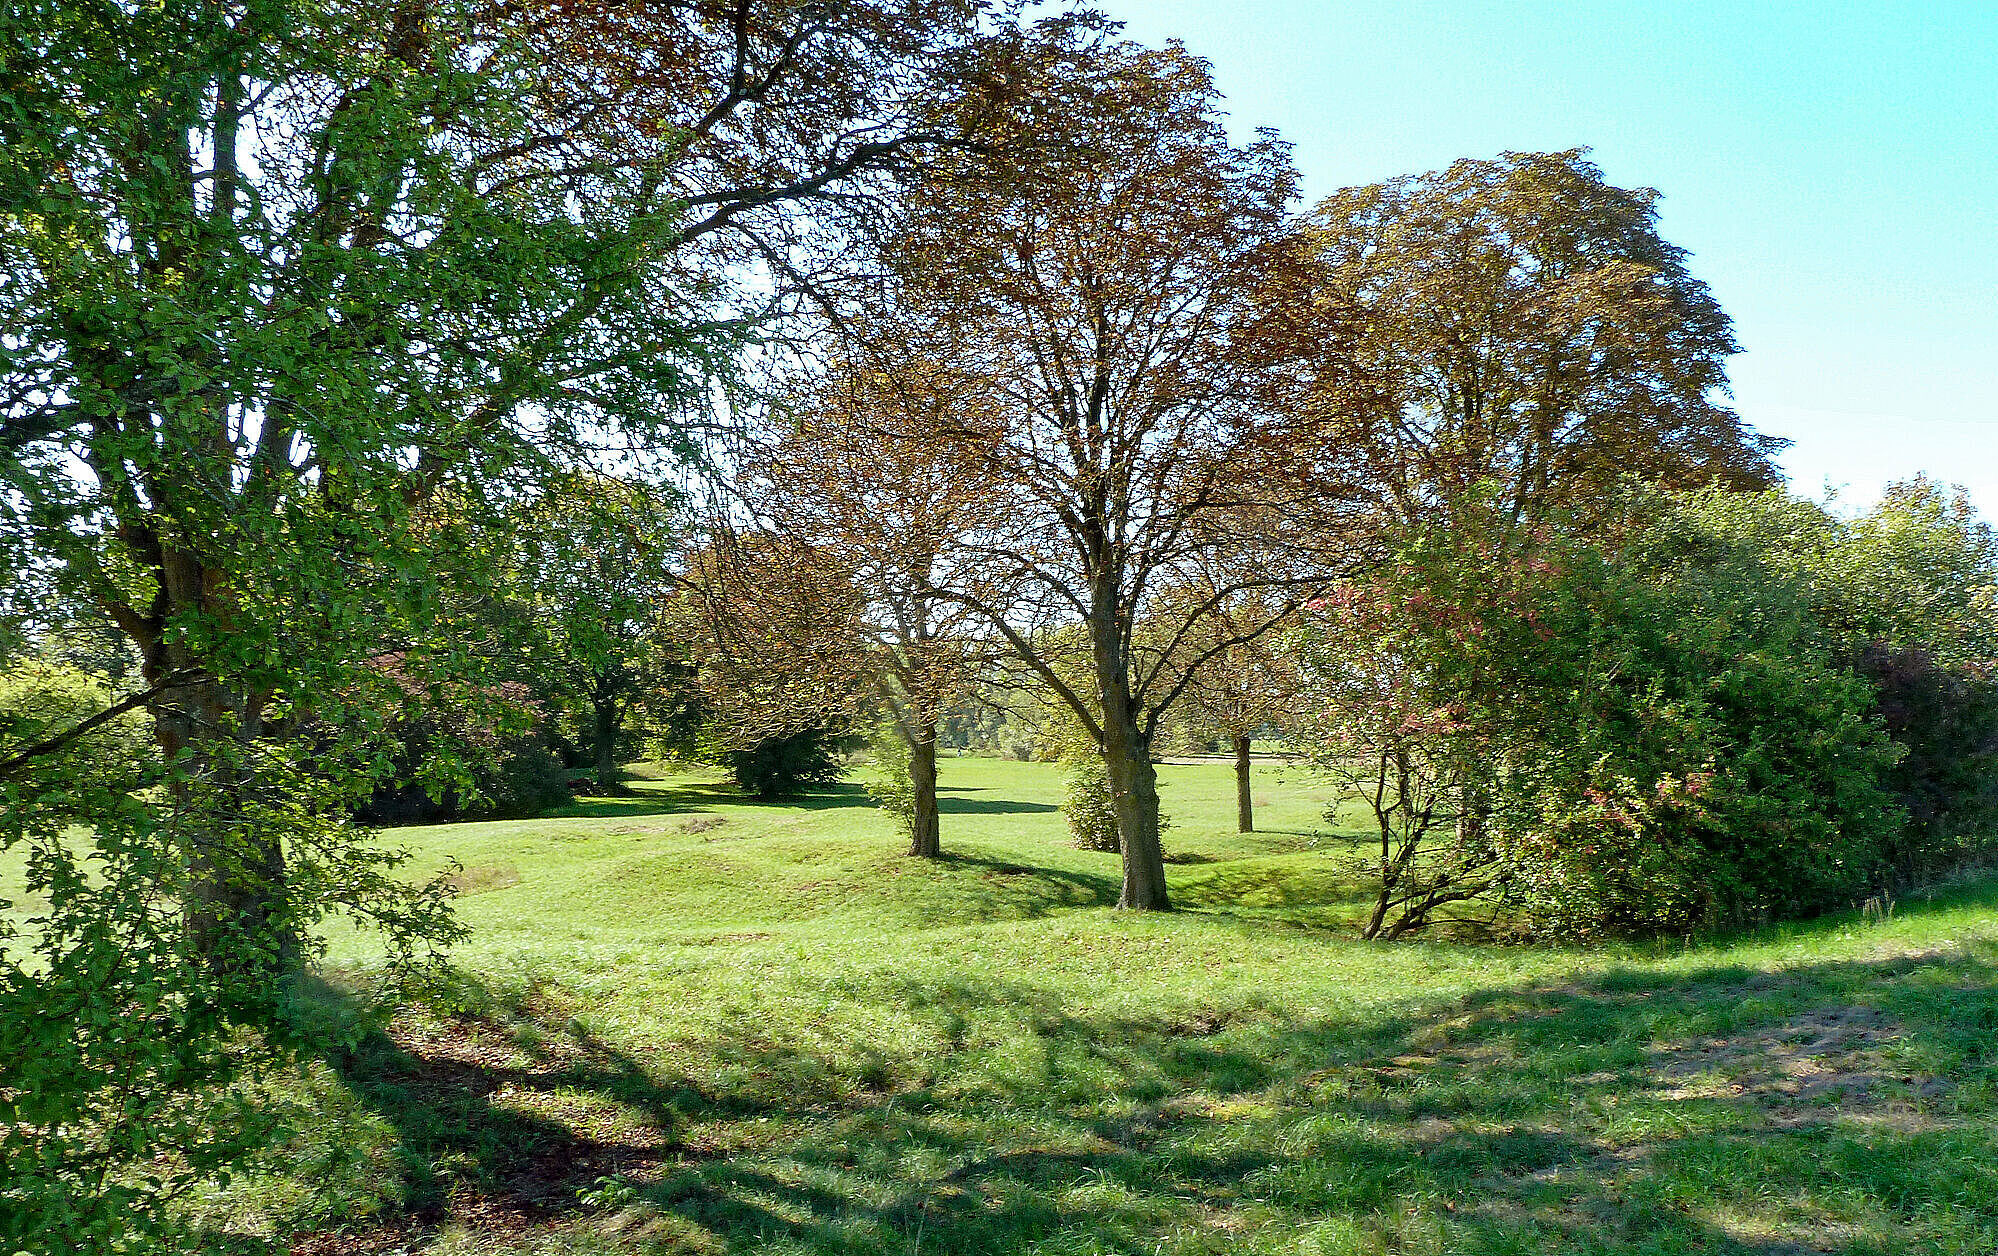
690, 1022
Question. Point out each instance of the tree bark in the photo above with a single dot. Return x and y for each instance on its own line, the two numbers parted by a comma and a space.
925, 840
608, 726
236, 893
1245, 815
1127, 762
1134, 796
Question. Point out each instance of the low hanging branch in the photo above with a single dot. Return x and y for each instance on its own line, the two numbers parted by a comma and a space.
21, 758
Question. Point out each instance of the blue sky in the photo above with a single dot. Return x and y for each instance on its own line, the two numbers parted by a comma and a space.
1832, 167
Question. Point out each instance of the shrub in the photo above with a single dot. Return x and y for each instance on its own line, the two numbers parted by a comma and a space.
1946, 779
461, 751
893, 788
1645, 737
1092, 821
39, 699
781, 767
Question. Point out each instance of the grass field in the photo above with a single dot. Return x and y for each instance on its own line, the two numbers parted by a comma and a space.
689, 1022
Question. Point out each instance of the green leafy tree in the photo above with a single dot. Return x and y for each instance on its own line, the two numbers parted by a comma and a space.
790, 763
588, 564
278, 274
287, 284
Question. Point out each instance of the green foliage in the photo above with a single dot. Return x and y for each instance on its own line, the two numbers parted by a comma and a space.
587, 566
1085, 803
128, 1038
1944, 722
1907, 596
891, 785
40, 700
1645, 735
1714, 763
789, 763
459, 750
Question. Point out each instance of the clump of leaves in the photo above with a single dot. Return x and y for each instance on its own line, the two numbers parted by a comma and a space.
130, 1041
893, 788
790, 763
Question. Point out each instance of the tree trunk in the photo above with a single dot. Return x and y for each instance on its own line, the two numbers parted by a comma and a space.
1127, 762
1134, 796
925, 841
236, 893
1245, 815
608, 726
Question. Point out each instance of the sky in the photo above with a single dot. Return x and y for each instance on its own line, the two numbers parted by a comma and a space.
1832, 168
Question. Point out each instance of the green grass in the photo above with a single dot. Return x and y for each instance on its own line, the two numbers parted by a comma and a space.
689, 1022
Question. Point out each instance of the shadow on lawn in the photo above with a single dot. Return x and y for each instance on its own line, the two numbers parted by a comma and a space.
950, 806
649, 798
1841, 1106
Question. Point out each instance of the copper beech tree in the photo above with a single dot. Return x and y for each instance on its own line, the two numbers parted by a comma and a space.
852, 483
1536, 339
1157, 388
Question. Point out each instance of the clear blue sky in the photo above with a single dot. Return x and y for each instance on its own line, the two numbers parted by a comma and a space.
1833, 168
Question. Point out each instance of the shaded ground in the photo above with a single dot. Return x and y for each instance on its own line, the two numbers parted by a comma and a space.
1835, 1107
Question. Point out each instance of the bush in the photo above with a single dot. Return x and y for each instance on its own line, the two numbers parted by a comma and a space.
461, 751
1946, 779
782, 767
893, 788
40, 699
1715, 765
1647, 737
1092, 821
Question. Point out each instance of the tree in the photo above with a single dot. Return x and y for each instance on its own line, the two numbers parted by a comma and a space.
276, 278
1128, 304
589, 562
1532, 330
277, 274
854, 484
1248, 681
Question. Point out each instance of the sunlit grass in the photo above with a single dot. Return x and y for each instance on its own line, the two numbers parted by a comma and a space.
689, 1022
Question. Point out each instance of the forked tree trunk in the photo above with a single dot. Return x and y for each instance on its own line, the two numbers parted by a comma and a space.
925, 840
1245, 815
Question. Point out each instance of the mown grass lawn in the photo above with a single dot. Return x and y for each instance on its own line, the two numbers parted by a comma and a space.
690, 1022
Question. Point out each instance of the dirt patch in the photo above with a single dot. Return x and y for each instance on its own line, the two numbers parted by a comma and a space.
534, 1115
702, 824
1832, 1060
723, 939
482, 878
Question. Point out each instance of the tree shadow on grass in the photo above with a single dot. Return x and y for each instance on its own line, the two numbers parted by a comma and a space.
1837, 1106
649, 798
991, 806
1074, 889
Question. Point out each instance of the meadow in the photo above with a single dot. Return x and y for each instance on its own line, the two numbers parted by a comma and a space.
690, 1022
